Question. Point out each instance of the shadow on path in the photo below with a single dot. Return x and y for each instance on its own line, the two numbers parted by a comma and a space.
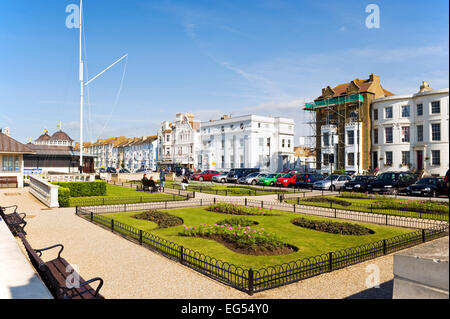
384, 292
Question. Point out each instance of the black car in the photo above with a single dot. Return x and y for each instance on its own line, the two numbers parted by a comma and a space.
358, 183
391, 182
428, 186
111, 170
307, 180
124, 170
236, 173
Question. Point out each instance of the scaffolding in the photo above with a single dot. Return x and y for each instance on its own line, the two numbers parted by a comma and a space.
336, 111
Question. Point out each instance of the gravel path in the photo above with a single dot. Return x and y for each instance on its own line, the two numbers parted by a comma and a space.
131, 271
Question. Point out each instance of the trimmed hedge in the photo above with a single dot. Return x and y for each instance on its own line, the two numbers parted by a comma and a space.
333, 227
82, 189
317, 199
63, 196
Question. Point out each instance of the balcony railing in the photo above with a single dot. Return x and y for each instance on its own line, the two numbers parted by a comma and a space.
334, 101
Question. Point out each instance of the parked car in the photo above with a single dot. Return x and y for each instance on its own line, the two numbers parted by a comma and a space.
447, 181
308, 180
236, 173
428, 186
205, 175
287, 180
358, 183
252, 178
111, 170
124, 170
221, 178
332, 182
102, 170
391, 182
270, 179
141, 170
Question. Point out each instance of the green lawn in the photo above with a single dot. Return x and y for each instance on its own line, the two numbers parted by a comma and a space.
309, 242
122, 195
364, 205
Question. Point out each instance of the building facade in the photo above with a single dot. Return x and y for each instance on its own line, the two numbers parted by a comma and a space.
342, 115
178, 142
56, 153
247, 142
12, 153
411, 132
141, 153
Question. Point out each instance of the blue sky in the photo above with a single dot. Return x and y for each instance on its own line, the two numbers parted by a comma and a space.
206, 57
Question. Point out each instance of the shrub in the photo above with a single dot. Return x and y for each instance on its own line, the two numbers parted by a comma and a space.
164, 220
242, 237
237, 221
327, 200
333, 227
63, 196
234, 209
413, 206
82, 189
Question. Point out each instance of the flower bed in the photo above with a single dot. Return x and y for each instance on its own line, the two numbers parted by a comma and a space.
238, 221
333, 227
164, 220
244, 240
234, 209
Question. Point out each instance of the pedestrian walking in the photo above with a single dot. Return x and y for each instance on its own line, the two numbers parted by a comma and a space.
162, 177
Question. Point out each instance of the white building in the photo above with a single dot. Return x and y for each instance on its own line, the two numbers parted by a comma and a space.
249, 141
179, 142
412, 131
353, 147
141, 153
329, 146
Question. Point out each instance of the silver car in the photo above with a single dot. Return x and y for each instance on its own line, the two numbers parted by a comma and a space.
332, 182
221, 178
251, 178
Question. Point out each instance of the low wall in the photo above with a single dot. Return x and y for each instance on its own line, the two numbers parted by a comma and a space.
44, 191
18, 280
422, 272
125, 177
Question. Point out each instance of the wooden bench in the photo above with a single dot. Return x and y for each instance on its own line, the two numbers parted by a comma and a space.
58, 275
15, 221
8, 181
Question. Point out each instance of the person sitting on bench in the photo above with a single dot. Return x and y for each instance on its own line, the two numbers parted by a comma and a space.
151, 184
144, 182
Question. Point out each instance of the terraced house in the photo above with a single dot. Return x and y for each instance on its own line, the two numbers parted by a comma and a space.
343, 124
412, 131
106, 152
140, 152
179, 142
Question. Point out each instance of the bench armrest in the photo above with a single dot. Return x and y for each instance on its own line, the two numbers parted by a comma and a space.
24, 215
39, 251
92, 280
5, 207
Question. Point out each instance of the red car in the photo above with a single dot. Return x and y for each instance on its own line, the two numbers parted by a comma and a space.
205, 175
287, 180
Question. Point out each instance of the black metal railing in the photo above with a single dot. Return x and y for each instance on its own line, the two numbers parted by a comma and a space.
385, 209
249, 280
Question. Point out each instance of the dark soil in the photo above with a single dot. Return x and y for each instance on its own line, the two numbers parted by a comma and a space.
333, 227
287, 249
164, 220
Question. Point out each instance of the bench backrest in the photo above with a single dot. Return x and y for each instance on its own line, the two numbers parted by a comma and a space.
35, 260
8, 179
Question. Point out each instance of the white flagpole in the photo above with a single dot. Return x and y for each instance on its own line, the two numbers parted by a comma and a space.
81, 90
